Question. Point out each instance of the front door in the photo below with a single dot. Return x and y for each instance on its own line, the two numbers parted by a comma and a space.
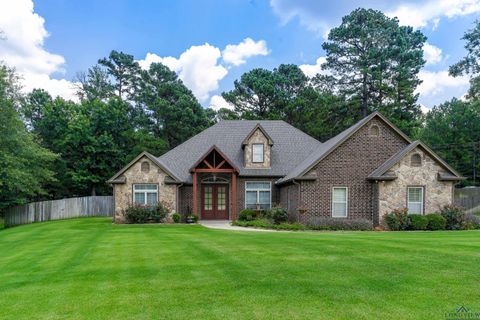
215, 201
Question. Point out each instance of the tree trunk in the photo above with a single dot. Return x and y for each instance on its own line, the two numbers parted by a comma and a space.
94, 193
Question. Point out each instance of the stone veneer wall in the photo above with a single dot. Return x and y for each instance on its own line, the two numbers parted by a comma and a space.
348, 166
393, 194
257, 138
123, 193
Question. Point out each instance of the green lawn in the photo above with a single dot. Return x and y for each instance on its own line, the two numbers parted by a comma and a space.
91, 269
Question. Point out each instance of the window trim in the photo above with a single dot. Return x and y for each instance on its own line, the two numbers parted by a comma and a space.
346, 201
258, 192
145, 192
422, 211
263, 152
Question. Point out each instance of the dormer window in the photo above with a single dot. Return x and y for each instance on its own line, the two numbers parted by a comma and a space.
257, 152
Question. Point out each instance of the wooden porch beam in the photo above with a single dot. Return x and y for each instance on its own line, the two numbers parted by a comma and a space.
220, 164
208, 164
213, 170
195, 198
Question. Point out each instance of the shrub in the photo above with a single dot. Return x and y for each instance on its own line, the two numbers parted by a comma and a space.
340, 224
454, 215
278, 215
436, 221
471, 222
418, 222
176, 217
159, 212
261, 223
140, 213
137, 213
398, 219
194, 217
247, 215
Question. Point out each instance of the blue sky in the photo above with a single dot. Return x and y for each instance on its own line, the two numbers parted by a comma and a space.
211, 43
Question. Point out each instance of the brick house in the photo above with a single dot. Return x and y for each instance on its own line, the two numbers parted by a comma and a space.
364, 172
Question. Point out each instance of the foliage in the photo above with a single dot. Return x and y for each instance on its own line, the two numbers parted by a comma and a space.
398, 219
331, 224
247, 215
341, 224
176, 217
26, 166
374, 62
452, 129
471, 222
139, 213
436, 221
454, 216
470, 64
287, 93
277, 214
418, 222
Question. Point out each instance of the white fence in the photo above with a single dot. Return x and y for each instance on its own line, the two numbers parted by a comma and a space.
59, 209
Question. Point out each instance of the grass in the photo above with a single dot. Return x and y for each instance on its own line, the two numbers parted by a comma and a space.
91, 269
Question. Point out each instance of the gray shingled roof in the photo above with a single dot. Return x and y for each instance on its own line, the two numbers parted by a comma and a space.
291, 147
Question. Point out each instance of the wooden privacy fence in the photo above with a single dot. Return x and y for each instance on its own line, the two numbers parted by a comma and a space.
469, 198
59, 209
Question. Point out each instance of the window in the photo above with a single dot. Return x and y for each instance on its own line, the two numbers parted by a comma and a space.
145, 167
145, 194
257, 152
374, 131
258, 195
208, 198
339, 202
415, 200
416, 160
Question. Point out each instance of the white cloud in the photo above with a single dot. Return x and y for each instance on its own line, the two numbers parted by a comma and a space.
438, 87
199, 67
311, 70
217, 102
24, 34
307, 13
237, 54
421, 15
432, 54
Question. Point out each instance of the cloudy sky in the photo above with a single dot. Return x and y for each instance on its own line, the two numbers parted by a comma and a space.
211, 43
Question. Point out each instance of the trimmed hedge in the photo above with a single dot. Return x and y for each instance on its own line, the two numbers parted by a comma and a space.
398, 220
436, 222
325, 224
418, 222
138, 213
247, 215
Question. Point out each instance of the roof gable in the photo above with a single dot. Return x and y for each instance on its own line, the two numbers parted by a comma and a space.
330, 145
381, 172
214, 149
249, 136
116, 179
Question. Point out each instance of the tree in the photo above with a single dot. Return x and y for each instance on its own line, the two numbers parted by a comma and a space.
452, 129
95, 84
375, 63
470, 64
173, 112
124, 70
26, 166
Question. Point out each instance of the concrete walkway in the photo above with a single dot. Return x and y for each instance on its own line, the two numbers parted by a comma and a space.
225, 225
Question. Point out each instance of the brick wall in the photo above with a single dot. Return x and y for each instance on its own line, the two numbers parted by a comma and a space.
348, 166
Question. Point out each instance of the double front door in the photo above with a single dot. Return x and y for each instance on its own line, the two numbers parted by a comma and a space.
215, 201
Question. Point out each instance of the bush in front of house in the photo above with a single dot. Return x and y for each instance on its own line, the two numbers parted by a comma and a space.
398, 220
139, 213
471, 222
277, 214
176, 217
334, 224
454, 215
436, 222
247, 215
418, 222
